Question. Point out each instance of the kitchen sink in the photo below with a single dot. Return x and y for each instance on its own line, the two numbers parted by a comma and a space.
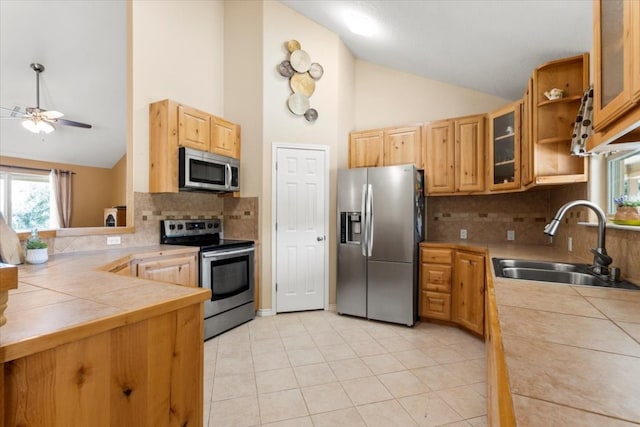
554, 272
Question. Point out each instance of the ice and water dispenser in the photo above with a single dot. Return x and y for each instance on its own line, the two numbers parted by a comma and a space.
351, 227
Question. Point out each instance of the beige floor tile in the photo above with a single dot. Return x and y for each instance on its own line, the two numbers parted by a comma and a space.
310, 375
298, 342
349, 417
307, 356
395, 343
268, 345
385, 414
337, 352
233, 365
294, 422
267, 361
366, 390
470, 371
367, 348
383, 363
350, 369
291, 329
478, 421
229, 349
240, 412
429, 410
281, 405
232, 386
382, 330
354, 334
415, 358
465, 401
438, 377
325, 398
403, 383
444, 354
276, 380
327, 338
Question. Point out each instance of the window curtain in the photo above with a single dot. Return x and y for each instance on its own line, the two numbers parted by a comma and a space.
61, 188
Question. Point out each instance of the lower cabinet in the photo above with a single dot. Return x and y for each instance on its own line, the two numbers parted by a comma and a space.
452, 285
179, 269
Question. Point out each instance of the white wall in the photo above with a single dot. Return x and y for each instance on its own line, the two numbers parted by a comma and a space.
178, 53
387, 97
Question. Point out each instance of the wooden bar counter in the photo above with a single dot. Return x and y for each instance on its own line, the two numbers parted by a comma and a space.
86, 347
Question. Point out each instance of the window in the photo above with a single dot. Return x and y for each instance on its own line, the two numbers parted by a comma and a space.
25, 200
623, 177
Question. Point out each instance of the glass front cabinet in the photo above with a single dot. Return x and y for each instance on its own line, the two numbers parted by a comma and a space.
504, 148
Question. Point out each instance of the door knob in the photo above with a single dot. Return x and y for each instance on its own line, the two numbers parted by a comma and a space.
320, 238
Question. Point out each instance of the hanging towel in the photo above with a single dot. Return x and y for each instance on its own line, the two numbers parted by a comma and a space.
583, 127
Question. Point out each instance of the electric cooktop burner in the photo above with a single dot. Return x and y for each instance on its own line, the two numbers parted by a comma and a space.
203, 233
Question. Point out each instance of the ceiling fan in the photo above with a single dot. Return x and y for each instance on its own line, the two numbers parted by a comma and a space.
36, 119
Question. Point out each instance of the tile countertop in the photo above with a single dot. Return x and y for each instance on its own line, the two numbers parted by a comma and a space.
74, 295
572, 352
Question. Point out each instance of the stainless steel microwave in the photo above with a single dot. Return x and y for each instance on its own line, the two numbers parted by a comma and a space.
204, 171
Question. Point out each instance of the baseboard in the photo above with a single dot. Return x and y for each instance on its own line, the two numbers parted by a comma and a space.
264, 312
332, 307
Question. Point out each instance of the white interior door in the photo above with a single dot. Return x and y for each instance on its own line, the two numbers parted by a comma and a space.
301, 212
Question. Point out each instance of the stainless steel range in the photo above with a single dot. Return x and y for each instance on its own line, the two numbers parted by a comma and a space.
226, 268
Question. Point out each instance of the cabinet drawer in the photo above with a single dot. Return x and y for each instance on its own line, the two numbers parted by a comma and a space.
436, 256
435, 305
434, 277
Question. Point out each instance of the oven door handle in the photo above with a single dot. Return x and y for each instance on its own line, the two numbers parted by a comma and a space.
213, 254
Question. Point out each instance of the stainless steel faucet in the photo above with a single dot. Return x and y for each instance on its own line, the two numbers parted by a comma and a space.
601, 260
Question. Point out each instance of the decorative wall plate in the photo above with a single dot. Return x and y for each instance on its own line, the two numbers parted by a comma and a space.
302, 83
298, 103
293, 45
311, 115
285, 69
316, 71
300, 61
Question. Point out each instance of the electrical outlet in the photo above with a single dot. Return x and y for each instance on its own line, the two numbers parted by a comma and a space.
463, 233
113, 240
570, 244
511, 235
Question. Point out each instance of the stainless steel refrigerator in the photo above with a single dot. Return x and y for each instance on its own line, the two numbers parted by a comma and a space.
380, 224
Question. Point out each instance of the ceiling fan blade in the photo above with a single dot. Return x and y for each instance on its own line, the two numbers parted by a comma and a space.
70, 123
16, 113
50, 114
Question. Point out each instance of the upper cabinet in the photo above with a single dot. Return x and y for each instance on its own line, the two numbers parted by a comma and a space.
173, 125
455, 155
616, 48
552, 122
365, 148
504, 148
402, 146
386, 147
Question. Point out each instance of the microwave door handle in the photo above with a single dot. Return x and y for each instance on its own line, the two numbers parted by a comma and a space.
227, 181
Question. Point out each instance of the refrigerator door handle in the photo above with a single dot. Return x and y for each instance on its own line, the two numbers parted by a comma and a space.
364, 217
370, 218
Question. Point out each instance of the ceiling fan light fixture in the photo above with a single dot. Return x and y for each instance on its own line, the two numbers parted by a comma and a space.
37, 126
360, 24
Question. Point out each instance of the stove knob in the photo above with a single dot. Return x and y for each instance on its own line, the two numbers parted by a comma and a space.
209, 225
172, 226
180, 226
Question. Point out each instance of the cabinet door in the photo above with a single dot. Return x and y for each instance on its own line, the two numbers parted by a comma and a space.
402, 146
365, 149
504, 148
468, 291
469, 154
225, 138
614, 56
193, 128
182, 270
439, 157
526, 135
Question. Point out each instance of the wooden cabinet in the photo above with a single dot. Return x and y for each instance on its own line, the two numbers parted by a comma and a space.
440, 157
435, 283
468, 291
616, 50
504, 148
386, 147
526, 136
173, 125
403, 146
193, 128
179, 269
225, 137
552, 122
365, 148
455, 155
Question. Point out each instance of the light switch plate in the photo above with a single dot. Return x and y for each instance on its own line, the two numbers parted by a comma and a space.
463, 233
511, 235
113, 240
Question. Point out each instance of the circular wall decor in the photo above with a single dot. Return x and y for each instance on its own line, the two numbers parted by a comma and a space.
302, 75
